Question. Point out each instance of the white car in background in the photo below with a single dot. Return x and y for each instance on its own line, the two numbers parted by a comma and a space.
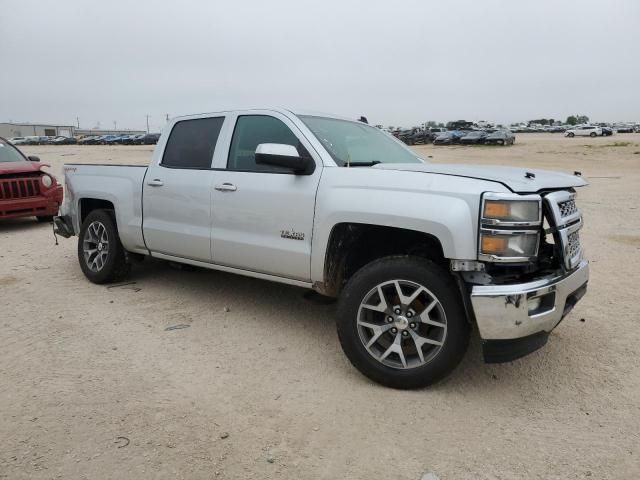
584, 131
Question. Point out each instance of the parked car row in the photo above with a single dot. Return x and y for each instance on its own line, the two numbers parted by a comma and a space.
34, 140
415, 136
142, 139
442, 136
476, 137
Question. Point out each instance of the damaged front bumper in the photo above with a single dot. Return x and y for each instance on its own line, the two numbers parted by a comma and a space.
63, 226
515, 320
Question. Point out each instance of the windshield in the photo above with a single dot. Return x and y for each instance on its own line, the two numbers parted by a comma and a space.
351, 142
8, 153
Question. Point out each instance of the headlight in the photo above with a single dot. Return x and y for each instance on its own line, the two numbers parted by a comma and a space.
510, 226
47, 181
508, 246
514, 210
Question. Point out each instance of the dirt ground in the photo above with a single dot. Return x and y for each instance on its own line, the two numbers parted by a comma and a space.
92, 386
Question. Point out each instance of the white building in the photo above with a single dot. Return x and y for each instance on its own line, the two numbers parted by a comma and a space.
8, 130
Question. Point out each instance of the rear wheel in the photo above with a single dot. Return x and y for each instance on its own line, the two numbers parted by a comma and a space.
100, 252
592, 134
401, 322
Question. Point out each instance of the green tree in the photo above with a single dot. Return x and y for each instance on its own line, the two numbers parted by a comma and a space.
582, 119
572, 120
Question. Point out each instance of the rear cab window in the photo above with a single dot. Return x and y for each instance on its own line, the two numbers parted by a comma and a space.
191, 143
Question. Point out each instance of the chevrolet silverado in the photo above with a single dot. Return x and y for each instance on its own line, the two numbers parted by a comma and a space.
417, 253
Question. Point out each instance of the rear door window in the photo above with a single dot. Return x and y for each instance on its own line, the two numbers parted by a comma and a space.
191, 143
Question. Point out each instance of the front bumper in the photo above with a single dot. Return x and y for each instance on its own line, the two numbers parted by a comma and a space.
63, 226
45, 204
514, 320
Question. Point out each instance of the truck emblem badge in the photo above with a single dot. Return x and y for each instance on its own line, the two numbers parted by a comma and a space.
292, 234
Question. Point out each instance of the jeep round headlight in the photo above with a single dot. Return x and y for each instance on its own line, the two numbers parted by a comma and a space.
47, 181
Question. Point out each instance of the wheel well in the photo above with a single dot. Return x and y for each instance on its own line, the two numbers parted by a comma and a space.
87, 205
353, 245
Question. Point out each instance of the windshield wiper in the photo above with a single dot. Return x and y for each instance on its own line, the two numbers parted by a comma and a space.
361, 164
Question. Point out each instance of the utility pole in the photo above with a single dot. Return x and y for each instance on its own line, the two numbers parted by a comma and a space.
115, 125
147, 122
167, 116
78, 121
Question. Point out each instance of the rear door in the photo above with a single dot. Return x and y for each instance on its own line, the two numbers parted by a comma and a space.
177, 191
263, 215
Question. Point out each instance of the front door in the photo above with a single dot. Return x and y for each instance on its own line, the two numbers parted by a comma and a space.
263, 215
177, 191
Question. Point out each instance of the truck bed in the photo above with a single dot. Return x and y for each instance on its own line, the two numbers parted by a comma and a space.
121, 185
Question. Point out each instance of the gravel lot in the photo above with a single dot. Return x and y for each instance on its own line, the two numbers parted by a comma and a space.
92, 385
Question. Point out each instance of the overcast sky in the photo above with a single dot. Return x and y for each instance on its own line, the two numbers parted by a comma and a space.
398, 63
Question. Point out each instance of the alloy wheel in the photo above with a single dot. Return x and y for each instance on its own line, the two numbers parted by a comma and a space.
95, 246
402, 324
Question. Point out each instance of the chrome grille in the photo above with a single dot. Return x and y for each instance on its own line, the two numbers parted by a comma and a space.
573, 244
15, 188
567, 219
567, 208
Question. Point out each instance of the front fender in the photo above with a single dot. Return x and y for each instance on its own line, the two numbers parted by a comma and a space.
445, 207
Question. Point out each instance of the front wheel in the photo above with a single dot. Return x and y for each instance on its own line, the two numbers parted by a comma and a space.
592, 134
401, 322
571, 134
100, 252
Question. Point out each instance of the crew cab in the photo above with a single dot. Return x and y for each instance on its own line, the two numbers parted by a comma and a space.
417, 253
25, 189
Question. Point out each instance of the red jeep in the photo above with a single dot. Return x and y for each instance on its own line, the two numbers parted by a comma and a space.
26, 190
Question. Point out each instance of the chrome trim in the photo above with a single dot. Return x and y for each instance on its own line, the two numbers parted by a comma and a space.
514, 198
501, 311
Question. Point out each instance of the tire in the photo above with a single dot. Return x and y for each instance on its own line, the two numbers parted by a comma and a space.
45, 218
593, 134
98, 229
449, 330
571, 134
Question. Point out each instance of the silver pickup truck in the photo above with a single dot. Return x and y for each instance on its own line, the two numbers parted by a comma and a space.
416, 253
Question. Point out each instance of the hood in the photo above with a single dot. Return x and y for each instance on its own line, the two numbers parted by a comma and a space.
511, 177
8, 168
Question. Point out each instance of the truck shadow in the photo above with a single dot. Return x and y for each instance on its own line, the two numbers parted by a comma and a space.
309, 319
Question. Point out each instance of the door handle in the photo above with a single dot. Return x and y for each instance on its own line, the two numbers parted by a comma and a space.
226, 187
156, 182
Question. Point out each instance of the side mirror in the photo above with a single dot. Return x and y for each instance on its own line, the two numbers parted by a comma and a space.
33, 158
286, 156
